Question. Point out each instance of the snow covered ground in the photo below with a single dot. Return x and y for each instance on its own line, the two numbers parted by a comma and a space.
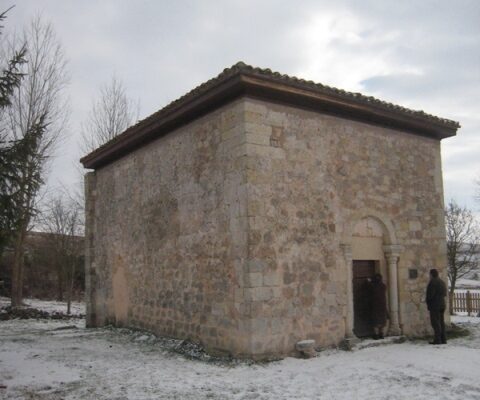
468, 284
51, 359
76, 308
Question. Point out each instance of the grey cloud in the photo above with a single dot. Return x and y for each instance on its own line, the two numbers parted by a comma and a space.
161, 50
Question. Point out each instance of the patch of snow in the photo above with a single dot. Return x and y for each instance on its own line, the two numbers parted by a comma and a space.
54, 360
464, 319
37, 370
76, 308
463, 283
142, 338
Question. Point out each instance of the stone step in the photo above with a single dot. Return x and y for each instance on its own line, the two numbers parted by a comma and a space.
366, 343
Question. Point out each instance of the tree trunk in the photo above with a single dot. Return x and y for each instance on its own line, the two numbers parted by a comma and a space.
70, 287
453, 282
60, 283
450, 300
17, 268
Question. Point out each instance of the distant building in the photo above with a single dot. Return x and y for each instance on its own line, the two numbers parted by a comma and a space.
249, 213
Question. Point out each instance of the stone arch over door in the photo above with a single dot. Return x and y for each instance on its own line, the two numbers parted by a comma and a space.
371, 236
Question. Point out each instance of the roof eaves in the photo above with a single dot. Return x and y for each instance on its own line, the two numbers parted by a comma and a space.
236, 80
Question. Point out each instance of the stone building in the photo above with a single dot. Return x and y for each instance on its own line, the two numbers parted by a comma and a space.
248, 214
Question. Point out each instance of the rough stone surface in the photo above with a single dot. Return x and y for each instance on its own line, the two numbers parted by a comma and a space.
306, 348
167, 233
232, 230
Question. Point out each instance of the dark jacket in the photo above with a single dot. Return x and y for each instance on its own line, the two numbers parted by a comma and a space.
436, 293
379, 303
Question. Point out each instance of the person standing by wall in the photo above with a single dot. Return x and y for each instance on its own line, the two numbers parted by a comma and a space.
436, 293
379, 306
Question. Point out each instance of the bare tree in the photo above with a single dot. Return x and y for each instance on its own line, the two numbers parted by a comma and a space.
109, 116
477, 189
463, 243
64, 222
37, 101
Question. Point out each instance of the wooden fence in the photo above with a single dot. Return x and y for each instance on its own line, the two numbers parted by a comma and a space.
466, 302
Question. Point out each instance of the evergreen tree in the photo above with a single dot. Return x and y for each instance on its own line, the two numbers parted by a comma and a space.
11, 151
20, 166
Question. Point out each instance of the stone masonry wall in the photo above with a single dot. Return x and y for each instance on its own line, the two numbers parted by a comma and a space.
231, 229
311, 177
168, 234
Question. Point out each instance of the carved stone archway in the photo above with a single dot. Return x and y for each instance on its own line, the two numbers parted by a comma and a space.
372, 223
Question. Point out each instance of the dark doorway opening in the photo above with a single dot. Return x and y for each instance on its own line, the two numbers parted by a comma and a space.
363, 272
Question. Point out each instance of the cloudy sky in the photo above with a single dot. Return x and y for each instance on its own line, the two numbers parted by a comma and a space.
419, 54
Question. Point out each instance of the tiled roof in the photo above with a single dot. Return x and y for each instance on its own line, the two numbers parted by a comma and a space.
242, 69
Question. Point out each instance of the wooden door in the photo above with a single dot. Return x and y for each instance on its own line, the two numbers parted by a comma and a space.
363, 272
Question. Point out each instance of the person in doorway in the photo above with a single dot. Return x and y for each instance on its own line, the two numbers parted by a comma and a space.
379, 306
436, 293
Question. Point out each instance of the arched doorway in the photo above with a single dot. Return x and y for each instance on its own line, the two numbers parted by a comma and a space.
368, 259
371, 248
